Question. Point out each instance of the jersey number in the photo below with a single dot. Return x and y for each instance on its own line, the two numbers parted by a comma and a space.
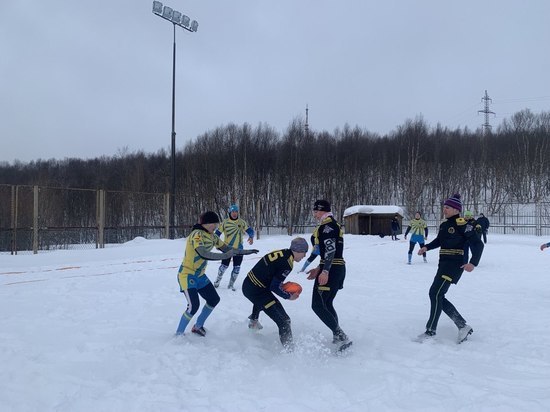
275, 255
330, 246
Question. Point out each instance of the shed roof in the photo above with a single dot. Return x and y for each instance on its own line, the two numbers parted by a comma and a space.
373, 210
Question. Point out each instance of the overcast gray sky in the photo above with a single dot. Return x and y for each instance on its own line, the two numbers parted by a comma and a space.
90, 78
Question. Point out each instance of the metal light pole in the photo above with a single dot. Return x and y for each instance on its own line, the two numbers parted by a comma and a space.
181, 20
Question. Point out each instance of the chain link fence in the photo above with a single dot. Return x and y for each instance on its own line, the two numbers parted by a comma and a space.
34, 218
511, 218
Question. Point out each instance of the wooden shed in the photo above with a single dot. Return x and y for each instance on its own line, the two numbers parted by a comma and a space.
372, 220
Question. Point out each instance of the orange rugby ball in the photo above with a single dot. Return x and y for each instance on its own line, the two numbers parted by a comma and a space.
292, 287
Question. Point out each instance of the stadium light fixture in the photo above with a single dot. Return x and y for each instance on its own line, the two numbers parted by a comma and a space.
185, 21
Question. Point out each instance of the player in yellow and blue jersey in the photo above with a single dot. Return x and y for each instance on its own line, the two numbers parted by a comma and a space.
233, 228
419, 230
191, 275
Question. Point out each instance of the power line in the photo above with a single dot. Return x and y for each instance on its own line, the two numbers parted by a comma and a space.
466, 113
523, 99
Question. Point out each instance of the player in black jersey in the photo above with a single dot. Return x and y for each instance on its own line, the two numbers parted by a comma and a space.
453, 234
330, 274
267, 278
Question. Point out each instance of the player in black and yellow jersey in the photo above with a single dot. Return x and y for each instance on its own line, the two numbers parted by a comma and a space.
453, 234
267, 278
329, 276
191, 275
469, 217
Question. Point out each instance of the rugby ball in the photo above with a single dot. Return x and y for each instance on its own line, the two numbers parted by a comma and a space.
292, 287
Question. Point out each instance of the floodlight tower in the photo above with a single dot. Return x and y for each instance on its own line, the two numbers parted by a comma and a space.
181, 20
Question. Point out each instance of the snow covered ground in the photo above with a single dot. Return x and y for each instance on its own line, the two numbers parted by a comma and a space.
93, 330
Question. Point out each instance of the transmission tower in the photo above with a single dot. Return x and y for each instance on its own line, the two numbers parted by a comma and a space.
487, 112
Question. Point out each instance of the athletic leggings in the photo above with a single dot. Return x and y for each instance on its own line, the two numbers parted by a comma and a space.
411, 247
237, 260
323, 297
264, 299
207, 292
439, 303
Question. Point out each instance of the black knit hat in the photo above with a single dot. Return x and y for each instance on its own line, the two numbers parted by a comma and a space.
322, 205
209, 217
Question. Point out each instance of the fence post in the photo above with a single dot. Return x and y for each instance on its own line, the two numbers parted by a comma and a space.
14, 198
289, 228
35, 221
167, 215
101, 218
258, 214
97, 241
538, 218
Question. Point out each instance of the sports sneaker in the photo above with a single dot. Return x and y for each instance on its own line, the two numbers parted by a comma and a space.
463, 333
216, 283
232, 287
344, 345
429, 334
339, 336
199, 331
342, 340
254, 324
425, 260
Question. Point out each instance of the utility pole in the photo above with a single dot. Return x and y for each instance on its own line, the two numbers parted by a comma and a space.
487, 112
307, 122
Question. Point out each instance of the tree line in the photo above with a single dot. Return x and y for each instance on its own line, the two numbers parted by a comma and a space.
416, 166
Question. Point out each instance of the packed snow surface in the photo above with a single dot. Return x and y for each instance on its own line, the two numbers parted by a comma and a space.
93, 330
